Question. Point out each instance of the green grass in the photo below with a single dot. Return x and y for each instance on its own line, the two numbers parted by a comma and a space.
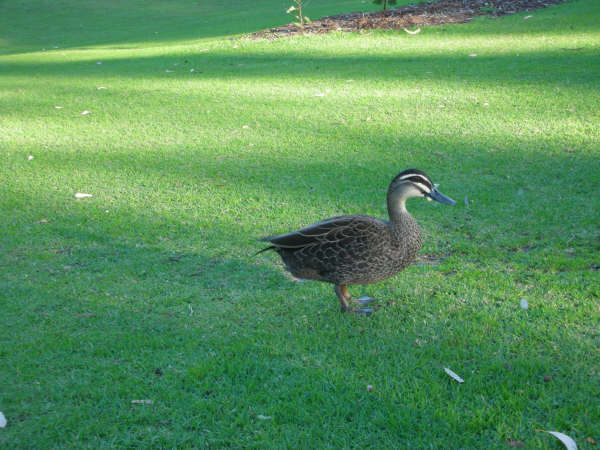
186, 169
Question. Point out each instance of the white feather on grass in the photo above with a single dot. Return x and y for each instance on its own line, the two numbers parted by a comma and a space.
453, 375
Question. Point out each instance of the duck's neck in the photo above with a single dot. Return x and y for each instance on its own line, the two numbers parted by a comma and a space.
405, 232
396, 205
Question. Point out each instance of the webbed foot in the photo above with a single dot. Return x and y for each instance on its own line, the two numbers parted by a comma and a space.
345, 297
362, 301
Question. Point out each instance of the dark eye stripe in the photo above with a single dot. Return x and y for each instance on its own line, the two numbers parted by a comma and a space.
420, 180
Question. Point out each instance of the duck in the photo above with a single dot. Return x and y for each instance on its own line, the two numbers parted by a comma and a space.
359, 249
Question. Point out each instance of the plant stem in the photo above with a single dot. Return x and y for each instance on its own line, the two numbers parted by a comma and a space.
300, 16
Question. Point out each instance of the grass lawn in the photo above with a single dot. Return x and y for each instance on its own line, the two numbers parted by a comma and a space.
197, 144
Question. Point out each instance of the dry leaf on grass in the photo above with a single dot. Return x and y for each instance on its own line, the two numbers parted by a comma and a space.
142, 402
567, 441
453, 375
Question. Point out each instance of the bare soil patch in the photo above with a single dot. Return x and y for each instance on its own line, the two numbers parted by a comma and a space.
421, 14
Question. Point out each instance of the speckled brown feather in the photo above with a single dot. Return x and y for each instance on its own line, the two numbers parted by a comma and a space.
350, 250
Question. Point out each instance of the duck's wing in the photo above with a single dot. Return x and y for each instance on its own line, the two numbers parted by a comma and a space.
335, 231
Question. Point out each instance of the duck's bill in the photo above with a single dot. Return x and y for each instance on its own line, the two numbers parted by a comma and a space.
439, 197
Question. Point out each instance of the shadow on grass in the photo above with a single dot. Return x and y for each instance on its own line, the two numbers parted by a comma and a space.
75, 24
36, 24
220, 330
81, 269
577, 68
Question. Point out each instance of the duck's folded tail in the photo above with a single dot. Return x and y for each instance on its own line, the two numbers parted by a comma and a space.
270, 247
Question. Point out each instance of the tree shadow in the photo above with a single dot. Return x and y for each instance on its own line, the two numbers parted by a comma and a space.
576, 68
134, 24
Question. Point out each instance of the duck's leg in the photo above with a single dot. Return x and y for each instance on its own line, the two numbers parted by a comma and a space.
342, 292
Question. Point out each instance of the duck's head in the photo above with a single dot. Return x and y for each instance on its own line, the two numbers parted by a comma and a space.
414, 183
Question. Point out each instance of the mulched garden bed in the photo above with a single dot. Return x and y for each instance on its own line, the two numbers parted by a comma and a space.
417, 15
